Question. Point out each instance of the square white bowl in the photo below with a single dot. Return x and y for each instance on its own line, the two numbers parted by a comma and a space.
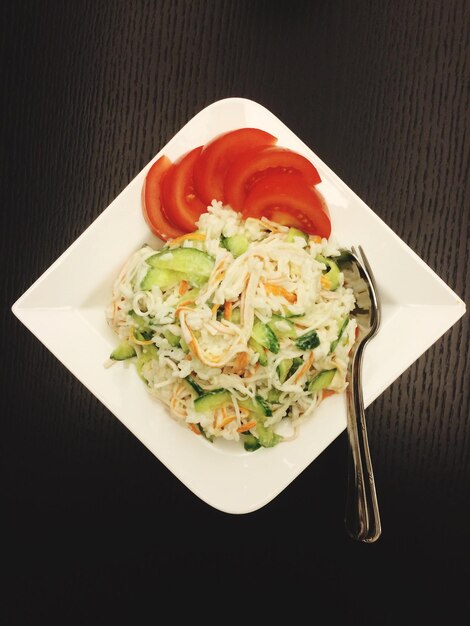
65, 307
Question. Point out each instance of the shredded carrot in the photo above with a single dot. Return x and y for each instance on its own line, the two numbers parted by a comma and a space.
246, 427
194, 347
328, 392
195, 429
325, 282
214, 309
241, 361
183, 287
139, 342
186, 237
183, 306
305, 367
227, 310
226, 421
243, 296
218, 272
280, 291
315, 239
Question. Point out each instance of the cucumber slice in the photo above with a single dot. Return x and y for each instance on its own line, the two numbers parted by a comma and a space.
261, 410
344, 257
262, 407
237, 245
296, 363
265, 336
250, 443
122, 352
283, 369
159, 277
288, 367
194, 386
143, 335
257, 347
333, 271
139, 321
236, 316
212, 400
195, 264
172, 339
321, 380
147, 354
184, 345
267, 437
142, 331
258, 406
203, 432
295, 232
274, 395
282, 327
308, 341
340, 334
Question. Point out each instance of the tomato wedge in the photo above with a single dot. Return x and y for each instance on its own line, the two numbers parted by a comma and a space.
152, 203
180, 203
217, 156
253, 165
287, 199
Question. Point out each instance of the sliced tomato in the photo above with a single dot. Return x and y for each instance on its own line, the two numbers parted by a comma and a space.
287, 199
180, 203
253, 165
219, 154
152, 203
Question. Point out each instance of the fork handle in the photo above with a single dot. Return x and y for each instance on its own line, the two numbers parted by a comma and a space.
362, 517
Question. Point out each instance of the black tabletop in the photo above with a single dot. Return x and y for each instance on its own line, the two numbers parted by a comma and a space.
97, 529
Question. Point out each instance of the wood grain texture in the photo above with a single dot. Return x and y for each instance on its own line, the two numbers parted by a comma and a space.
97, 527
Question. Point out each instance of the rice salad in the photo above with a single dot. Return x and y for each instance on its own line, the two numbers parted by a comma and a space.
241, 328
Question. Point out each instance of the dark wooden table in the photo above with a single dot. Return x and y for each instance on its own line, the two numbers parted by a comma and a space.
97, 529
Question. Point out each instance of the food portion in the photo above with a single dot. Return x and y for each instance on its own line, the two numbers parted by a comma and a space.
243, 169
241, 327
241, 323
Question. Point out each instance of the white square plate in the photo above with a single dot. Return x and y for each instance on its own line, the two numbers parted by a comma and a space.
65, 307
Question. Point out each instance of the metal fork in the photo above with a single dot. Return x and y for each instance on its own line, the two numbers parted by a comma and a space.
362, 516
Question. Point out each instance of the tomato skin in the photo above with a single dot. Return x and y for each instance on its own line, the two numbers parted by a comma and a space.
217, 156
180, 203
152, 203
287, 199
248, 168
